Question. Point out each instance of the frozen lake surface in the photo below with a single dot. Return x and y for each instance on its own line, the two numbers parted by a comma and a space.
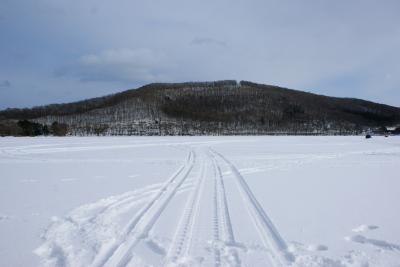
200, 201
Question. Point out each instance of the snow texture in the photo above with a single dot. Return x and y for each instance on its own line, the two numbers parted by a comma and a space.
199, 201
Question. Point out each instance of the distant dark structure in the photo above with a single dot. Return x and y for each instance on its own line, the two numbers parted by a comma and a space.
393, 130
368, 136
205, 108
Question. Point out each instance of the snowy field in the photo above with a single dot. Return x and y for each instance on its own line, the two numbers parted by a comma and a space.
200, 201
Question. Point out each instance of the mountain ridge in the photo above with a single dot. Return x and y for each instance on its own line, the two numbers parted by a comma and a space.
218, 107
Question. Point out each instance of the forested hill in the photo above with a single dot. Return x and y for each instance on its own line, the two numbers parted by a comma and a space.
222, 107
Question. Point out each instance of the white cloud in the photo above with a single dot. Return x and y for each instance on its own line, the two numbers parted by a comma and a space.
340, 48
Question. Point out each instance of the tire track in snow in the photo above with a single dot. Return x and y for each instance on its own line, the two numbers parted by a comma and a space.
228, 243
216, 234
119, 253
269, 235
183, 238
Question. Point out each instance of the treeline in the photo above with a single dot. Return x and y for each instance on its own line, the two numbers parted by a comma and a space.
28, 128
210, 108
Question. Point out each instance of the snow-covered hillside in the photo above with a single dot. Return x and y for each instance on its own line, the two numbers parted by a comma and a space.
206, 201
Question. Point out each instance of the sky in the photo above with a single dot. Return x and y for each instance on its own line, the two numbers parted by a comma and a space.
56, 51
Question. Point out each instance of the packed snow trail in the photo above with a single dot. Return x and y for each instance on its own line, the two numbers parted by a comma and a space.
199, 201
204, 233
268, 232
222, 213
204, 214
120, 252
183, 238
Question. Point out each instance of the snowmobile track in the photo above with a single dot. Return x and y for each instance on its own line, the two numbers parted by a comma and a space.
120, 252
182, 240
228, 238
269, 235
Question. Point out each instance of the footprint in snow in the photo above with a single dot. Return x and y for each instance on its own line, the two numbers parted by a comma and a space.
382, 244
316, 247
364, 228
155, 246
297, 246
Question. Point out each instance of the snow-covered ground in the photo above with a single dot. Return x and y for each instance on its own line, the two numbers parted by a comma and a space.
209, 201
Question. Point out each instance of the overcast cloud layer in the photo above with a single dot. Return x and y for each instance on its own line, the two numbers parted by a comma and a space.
66, 50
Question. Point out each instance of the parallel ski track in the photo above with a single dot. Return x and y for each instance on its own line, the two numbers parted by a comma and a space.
222, 215
182, 241
130, 200
119, 253
269, 235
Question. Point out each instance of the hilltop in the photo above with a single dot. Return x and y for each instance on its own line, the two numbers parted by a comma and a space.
207, 108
